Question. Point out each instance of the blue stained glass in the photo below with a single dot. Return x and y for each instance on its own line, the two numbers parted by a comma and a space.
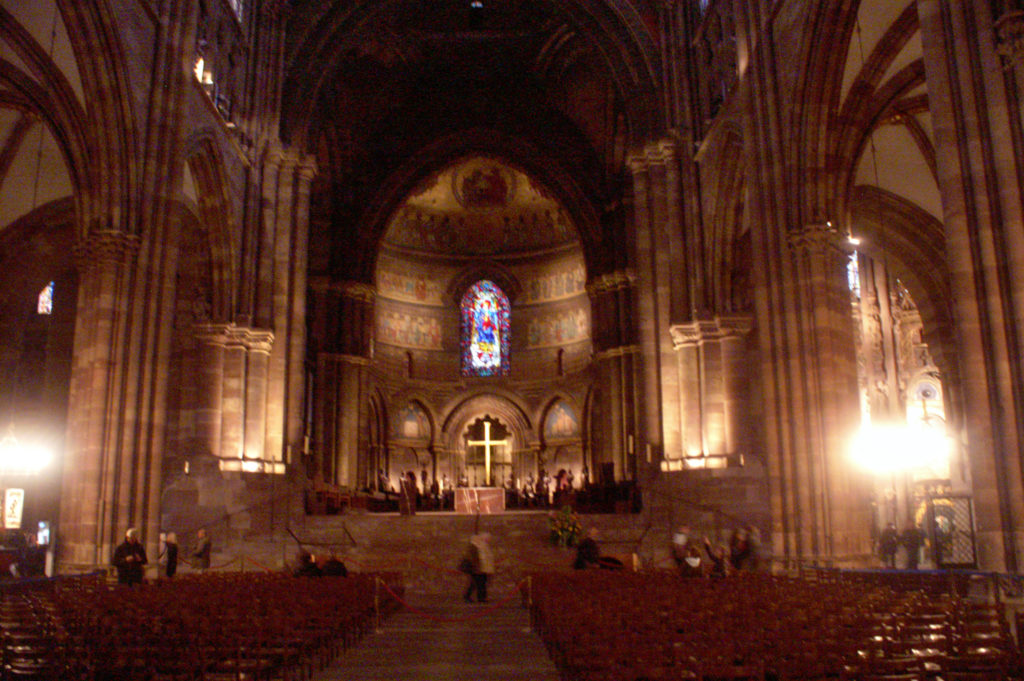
853, 275
485, 330
45, 304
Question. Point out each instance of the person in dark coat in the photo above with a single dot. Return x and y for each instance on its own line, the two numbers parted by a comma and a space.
888, 542
307, 566
171, 554
739, 549
334, 567
129, 559
587, 552
912, 540
719, 557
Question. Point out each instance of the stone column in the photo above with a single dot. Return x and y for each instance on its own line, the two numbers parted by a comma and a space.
210, 391
615, 414
233, 374
830, 494
295, 383
341, 377
280, 302
975, 104
709, 359
86, 530
736, 363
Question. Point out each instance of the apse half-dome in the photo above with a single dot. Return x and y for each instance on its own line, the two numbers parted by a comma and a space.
480, 206
477, 219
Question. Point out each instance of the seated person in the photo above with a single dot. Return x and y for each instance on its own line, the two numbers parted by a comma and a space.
307, 566
587, 552
334, 567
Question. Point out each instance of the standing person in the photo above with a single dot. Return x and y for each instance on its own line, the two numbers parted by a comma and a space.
407, 502
202, 552
481, 558
719, 557
681, 545
739, 549
912, 539
754, 548
888, 543
171, 555
129, 558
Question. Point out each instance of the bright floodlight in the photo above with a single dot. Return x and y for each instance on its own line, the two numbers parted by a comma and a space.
906, 447
22, 457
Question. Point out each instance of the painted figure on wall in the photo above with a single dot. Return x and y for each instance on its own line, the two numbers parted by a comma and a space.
411, 423
561, 421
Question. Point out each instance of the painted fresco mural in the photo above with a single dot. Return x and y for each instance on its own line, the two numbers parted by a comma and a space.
408, 330
561, 421
554, 329
409, 288
411, 423
555, 286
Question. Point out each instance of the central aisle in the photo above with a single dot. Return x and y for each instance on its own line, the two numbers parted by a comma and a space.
448, 640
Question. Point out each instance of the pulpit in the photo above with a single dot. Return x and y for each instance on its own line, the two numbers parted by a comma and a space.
479, 500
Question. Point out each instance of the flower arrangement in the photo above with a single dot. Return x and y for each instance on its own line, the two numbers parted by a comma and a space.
565, 527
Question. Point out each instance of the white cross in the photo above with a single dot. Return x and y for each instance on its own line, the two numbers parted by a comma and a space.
487, 443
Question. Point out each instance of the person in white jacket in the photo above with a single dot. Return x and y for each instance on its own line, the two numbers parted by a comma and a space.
481, 558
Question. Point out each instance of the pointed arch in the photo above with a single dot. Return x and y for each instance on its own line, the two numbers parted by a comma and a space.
207, 167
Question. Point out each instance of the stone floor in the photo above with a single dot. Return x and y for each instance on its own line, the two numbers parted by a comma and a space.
445, 639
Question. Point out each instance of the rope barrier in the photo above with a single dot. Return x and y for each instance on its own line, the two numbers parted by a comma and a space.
261, 565
453, 620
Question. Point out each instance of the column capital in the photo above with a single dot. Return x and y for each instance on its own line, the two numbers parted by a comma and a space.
231, 335
356, 290
612, 281
706, 330
342, 358
107, 247
620, 351
817, 237
662, 151
1010, 37
636, 161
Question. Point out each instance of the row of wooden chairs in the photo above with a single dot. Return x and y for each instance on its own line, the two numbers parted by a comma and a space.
204, 627
602, 626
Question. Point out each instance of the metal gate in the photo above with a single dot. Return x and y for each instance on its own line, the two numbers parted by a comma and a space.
948, 522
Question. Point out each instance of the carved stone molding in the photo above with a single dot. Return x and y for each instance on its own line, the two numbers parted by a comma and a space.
703, 331
613, 281
736, 325
342, 358
232, 335
107, 247
1010, 37
621, 351
663, 151
354, 290
659, 152
818, 238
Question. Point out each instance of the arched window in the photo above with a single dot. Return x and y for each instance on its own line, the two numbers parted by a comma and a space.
485, 330
45, 302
